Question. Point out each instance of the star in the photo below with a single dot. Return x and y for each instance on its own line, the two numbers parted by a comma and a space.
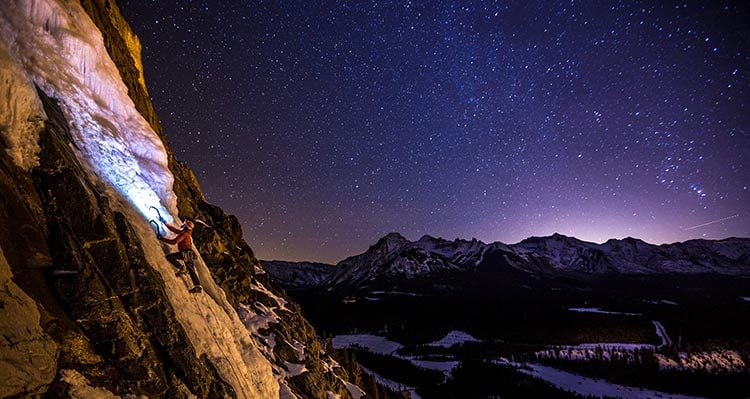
338, 123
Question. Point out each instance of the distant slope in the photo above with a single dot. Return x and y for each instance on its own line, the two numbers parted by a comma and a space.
298, 274
396, 260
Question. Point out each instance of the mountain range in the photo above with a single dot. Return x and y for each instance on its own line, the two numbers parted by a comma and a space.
396, 259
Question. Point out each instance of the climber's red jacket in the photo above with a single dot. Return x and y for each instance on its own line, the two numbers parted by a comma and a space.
183, 239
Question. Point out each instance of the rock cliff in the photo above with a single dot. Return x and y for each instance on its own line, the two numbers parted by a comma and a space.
88, 305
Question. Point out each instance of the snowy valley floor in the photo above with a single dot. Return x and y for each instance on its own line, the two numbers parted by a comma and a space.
560, 379
633, 350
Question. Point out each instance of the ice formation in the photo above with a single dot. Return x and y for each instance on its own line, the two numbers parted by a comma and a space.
56, 46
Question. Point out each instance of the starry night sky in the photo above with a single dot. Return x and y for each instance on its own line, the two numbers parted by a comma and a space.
325, 125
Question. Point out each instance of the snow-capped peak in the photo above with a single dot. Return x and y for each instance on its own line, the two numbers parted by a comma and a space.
391, 241
393, 256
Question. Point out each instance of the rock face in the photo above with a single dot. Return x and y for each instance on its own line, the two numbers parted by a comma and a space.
86, 307
29, 354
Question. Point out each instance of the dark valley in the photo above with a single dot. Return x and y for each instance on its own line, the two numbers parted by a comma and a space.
442, 317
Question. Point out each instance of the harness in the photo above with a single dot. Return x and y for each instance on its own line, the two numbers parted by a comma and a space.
188, 256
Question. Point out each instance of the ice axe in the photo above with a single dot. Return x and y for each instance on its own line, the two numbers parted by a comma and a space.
153, 222
161, 219
156, 227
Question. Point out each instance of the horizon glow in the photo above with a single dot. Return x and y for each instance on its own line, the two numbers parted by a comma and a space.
324, 127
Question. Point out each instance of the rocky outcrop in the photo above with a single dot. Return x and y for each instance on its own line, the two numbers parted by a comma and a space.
105, 307
220, 239
86, 309
92, 291
124, 48
29, 357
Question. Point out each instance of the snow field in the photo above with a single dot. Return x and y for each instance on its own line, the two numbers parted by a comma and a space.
561, 379
374, 343
454, 338
396, 386
383, 346
597, 310
590, 386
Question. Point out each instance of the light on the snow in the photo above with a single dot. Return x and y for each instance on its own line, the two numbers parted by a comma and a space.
68, 62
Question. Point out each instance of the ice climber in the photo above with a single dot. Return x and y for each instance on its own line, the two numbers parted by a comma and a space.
185, 257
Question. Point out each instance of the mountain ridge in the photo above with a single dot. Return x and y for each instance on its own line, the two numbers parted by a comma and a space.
393, 257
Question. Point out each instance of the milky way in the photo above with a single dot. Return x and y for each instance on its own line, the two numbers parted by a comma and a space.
326, 125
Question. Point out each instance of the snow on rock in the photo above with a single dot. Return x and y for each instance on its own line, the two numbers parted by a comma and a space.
300, 349
745, 298
331, 395
259, 317
212, 326
262, 317
330, 364
454, 338
80, 388
280, 302
55, 45
718, 361
285, 392
21, 114
256, 321
354, 390
293, 370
